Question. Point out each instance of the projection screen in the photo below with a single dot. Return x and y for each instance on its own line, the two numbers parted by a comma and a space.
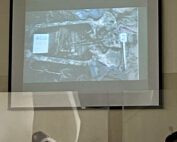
106, 51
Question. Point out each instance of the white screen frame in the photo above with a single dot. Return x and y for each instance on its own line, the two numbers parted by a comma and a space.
153, 84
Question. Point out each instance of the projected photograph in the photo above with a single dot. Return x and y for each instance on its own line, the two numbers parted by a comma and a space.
81, 45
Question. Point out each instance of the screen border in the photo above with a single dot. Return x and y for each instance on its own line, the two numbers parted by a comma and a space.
92, 107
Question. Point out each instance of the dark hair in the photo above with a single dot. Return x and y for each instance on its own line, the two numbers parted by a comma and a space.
172, 137
38, 136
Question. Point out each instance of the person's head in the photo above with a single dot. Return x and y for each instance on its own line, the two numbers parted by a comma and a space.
172, 137
38, 136
41, 137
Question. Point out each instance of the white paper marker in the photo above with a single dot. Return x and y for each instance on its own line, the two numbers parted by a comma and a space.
123, 39
40, 43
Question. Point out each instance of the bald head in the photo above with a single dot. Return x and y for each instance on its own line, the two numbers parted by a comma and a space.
38, 136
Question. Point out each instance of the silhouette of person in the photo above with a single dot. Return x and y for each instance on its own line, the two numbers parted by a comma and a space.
172, 137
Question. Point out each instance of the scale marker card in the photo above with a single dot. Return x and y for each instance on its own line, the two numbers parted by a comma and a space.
40, 43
